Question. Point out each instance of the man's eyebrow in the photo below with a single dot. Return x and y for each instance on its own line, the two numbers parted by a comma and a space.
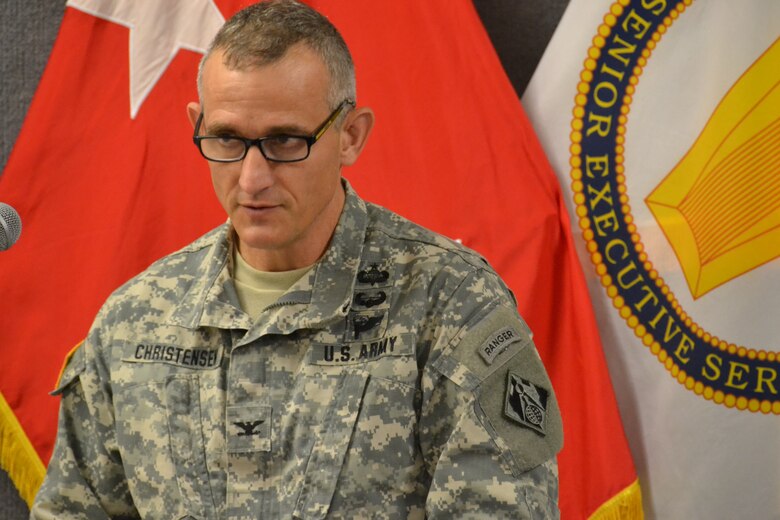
287, 130
226, 129
219, 129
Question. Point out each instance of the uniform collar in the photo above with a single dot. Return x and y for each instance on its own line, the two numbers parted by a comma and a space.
210, 300
320, 297
334, 277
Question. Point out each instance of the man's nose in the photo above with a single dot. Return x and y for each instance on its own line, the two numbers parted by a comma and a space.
256, 172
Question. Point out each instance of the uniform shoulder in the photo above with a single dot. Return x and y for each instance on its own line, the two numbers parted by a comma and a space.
177, 270
408, 236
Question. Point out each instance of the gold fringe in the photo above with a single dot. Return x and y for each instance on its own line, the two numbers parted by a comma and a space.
626, 505
17, 456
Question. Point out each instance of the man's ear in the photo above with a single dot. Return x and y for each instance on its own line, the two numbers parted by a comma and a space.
354, 134
193, 111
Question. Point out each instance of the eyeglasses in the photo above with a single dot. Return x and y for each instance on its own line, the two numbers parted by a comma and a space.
281, 148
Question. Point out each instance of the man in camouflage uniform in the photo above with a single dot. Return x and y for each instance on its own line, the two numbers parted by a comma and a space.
360, 367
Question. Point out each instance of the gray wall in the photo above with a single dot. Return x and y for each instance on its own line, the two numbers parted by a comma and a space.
27, 31
519, 29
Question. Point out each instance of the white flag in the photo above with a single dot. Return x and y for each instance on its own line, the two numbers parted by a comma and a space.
662, 121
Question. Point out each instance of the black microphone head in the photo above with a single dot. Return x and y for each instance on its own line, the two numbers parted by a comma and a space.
10, 226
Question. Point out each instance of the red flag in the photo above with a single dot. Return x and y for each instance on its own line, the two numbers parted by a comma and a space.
106, 180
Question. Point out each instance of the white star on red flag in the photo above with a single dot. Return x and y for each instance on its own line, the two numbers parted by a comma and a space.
157, 31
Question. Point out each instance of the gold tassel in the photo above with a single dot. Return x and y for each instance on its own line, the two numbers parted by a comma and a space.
626, 505
17, 456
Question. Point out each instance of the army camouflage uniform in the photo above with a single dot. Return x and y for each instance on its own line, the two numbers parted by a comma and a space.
394, 380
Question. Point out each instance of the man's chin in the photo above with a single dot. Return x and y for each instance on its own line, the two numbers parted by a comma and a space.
255, 241
259, 237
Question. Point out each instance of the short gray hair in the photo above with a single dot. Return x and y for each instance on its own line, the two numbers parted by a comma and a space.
262, 33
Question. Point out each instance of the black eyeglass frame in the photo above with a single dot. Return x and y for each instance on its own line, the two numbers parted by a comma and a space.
248, 143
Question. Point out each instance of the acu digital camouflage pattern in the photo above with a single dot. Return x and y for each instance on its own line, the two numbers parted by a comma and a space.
361, 393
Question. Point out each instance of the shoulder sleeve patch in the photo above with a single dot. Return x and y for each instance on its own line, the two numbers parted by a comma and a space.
494, 357
72, 367
519, 405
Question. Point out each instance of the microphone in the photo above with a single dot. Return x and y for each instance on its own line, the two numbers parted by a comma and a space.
10, 226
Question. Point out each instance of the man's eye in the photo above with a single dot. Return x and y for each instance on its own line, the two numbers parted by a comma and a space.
229, 143
285, 144
226, 140
282, 140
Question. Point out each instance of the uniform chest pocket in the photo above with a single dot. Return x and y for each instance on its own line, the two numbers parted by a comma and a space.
159, 430
330, 447
366, 438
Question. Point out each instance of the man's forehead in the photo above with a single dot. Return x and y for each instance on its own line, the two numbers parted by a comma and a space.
299, 73
300, 54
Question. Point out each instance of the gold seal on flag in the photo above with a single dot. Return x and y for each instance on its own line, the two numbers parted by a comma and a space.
719, 207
